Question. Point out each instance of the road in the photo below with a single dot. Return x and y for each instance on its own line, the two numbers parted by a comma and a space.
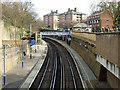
58, 71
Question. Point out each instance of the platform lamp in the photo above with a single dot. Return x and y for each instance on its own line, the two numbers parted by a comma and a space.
22, 54
4, 46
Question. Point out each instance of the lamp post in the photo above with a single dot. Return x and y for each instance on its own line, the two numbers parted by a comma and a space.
30, 30
22, 55
30, 52
35, 42
4, 64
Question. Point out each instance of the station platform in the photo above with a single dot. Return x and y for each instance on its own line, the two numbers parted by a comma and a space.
20, 77
23, 77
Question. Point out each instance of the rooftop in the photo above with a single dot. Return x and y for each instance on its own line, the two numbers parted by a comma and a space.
96, 13
53, 13
68, 12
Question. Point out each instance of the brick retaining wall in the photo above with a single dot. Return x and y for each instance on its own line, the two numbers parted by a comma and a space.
88, 56
89, 37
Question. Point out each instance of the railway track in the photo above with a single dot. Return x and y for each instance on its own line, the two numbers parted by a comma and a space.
58, 71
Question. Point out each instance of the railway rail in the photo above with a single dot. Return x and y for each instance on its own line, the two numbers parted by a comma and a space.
58, 71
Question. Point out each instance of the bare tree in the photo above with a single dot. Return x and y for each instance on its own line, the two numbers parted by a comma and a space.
21, 15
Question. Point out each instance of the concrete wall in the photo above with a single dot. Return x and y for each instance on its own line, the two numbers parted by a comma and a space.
1, 68
7, 33
108, 50
1, 32
13, 55
113, 81
107, 46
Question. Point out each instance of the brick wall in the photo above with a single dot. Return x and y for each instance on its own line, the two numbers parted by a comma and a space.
89, 37
113, 81
87, 55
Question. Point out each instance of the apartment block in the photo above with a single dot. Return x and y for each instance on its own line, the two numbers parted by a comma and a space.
100, 20
69, 18
51, 20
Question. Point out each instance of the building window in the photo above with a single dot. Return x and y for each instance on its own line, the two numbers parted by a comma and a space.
98, 20
89, 22
107, 25
94, 21
107, 19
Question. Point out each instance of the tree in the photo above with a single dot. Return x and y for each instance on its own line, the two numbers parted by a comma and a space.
21, 15
111, 7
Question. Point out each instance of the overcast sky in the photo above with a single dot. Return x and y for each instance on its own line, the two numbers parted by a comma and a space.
43, 7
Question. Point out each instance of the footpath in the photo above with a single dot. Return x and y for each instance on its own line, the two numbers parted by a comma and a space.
17, 76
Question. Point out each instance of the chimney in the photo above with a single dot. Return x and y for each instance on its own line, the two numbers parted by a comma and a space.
75, 9
56, 11
68, 9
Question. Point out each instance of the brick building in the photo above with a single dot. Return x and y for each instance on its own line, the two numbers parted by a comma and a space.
51, 20
69, 18
100, 20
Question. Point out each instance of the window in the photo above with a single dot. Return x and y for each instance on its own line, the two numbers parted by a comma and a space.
107, 19
107, 25
94, 21
98, 25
